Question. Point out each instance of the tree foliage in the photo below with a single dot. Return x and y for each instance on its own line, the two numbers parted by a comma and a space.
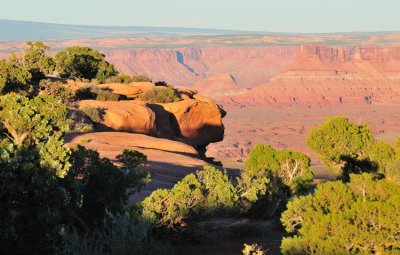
54, 88
91, 175
83, 62
39, 209
14, 76
37, 62
360, 217
46, 189
270, 177
95, 93
209, 192
38, 123
338, 137
292, 168
348, 148
32, 205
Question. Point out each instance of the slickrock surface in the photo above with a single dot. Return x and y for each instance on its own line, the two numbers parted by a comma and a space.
124, 116
168, 161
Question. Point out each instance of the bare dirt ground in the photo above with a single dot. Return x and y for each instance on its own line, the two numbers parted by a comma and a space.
223, 238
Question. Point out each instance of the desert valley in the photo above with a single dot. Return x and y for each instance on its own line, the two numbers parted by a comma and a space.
144, 141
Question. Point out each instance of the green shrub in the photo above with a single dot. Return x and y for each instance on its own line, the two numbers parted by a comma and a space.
94, 114
131, 162
84, 141
360, 217
347, 148
48, 188
293, 168
14, 77
124, 78
208, 193
392, 171
94, 93
96, 175
83, 62
116, 79
270, 177
106, 95
160, 95
84, 93
139, 78
381, 154
40, 121
23, 73
50, 88
84, 128
37, 62
337, 138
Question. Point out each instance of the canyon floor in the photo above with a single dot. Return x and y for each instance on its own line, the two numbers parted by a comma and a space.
287, 127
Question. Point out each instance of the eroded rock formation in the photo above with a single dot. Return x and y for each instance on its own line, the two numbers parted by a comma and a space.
195, 120
322, 75
123, 116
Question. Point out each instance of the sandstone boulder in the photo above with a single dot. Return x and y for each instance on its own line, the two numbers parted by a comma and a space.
195, 122
124, 116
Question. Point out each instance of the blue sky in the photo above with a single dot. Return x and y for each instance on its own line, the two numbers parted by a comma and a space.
256, 15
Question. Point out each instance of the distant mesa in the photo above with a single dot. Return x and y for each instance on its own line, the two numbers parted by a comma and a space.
328, 76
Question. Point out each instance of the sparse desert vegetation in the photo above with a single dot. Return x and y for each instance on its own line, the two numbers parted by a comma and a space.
160, 95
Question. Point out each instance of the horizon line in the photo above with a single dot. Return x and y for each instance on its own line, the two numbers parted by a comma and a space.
253, 32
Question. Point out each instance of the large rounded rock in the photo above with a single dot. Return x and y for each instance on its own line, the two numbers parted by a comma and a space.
124, 116
195, 122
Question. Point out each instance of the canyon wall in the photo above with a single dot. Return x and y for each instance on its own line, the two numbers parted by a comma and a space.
186, 66
309, 74
322, 75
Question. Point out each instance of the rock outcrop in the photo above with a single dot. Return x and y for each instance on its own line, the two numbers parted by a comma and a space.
197, 122
192, 121
124, 116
